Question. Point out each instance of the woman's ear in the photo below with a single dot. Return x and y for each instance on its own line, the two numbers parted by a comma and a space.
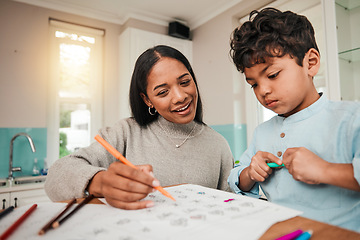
312, 58
146, 100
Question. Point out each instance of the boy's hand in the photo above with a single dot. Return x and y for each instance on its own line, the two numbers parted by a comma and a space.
304, 165
258, 170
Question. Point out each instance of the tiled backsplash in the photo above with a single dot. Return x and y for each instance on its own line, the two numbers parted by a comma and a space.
23, 157
235, 134
22, 154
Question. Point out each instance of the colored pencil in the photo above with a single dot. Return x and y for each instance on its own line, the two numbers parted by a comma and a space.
49, 224
305, 235
291, 235
273, 165
120, 157
18, 222
83, 202
6, 211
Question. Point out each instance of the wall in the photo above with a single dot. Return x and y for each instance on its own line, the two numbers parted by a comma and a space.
24, 64
213, 66
22, 154
24, 60
222, 87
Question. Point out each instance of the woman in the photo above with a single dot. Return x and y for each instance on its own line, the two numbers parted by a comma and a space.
166, 138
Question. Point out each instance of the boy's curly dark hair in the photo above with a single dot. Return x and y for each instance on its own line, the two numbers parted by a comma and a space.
271, 33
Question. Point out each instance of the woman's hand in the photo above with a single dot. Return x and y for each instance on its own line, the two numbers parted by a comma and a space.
123, 186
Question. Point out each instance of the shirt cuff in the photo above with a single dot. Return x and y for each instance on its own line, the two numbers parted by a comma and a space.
356, 167
233, 181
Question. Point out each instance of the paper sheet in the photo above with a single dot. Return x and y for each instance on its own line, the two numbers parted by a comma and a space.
198, 213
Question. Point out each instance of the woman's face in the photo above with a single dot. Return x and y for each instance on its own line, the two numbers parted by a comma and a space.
171, 90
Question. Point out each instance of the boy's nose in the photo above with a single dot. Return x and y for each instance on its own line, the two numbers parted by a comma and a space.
264, 89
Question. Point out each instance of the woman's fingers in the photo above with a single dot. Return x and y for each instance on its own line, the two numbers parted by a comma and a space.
120, 183
124, 186
129, 205
138, 175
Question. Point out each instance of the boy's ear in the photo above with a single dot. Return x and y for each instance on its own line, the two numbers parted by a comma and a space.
312, 58
146, 100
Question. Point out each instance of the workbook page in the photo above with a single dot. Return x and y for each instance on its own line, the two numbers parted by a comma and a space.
197, 213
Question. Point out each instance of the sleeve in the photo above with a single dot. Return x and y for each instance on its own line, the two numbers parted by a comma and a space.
227, 163
69, 176
244, 162
355, 131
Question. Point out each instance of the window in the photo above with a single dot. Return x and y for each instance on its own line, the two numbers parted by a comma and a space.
75, 112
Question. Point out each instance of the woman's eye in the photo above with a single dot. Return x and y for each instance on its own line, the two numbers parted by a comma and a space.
254, 85
161, 93
186, 82
274, 75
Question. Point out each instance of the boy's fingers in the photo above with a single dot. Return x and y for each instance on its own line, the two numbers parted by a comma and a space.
272, 158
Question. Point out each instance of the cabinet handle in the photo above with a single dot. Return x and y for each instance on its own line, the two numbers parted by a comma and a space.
15, 199
4, 203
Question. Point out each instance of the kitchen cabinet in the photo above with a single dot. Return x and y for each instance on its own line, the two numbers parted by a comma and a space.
5, 199
23, 198
348, 35
341, 20
23, 195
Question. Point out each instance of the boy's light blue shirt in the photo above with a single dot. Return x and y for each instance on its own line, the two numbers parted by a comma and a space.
332, 131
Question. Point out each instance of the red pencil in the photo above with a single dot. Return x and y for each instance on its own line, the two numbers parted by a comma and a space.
16, 224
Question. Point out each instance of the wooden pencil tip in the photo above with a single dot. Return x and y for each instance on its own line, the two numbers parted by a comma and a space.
55, 224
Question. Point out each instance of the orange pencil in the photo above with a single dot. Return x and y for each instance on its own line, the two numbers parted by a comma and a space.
120, 157
16, 224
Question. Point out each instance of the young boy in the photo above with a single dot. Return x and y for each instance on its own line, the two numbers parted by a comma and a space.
317, 140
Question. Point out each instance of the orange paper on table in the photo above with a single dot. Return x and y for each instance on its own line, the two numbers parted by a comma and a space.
120, 157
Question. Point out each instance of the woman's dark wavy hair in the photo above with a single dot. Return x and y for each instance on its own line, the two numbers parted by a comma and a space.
271, 33
138, 85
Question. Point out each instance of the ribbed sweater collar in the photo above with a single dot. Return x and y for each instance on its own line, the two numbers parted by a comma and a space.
175, 129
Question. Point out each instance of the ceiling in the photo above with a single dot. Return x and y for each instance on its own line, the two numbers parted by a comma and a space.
193, 13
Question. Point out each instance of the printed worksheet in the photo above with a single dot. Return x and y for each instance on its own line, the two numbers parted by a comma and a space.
197, 213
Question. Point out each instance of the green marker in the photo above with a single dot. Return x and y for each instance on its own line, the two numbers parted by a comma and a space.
273, 165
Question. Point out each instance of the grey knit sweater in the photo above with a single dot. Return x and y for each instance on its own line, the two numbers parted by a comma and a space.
204, 159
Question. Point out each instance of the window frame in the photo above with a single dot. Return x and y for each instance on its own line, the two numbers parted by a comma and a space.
54, 101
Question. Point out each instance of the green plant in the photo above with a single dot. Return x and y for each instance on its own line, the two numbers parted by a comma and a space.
63, 151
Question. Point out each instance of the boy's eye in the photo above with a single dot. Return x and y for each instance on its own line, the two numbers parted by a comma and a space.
274, 75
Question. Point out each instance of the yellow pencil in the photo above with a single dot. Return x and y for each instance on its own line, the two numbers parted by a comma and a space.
120, 157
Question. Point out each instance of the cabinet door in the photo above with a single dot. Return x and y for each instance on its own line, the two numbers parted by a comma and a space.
348, 35
22, 198
4, 200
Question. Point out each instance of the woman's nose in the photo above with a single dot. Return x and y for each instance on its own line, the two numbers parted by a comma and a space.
179, 95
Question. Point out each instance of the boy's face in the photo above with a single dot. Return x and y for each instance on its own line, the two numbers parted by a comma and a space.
283, 86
